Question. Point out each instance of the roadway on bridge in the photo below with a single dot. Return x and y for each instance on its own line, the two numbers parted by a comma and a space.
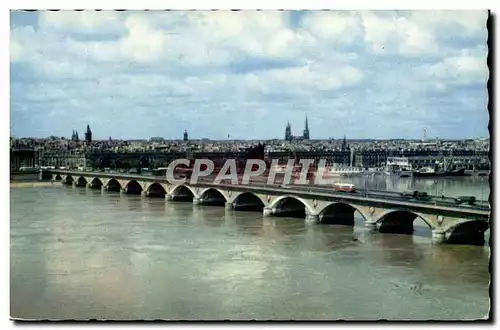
392, 195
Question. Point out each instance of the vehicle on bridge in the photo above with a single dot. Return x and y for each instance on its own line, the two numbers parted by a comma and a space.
160, 171
471, 200
344, 187
419, 195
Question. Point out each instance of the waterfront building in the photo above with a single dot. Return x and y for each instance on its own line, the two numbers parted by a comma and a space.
23, 157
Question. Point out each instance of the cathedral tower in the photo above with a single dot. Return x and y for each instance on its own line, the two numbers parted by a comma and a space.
305, 135
288, 132
88, 135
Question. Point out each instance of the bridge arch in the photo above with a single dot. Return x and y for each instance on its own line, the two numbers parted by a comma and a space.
155, 189
96, 183
290, 205
81, 181
113, 185
213, 196
214, 191
339, 213
68, 179
58, 177
400, 221
469, 232
182, 192
133, 187
248, 201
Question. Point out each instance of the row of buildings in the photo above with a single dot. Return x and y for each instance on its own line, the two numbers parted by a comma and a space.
73, 153
469, 159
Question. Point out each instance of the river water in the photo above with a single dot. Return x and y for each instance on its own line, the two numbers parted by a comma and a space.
450, 187
78, 253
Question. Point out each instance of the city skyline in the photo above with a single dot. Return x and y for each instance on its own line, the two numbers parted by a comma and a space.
136, 75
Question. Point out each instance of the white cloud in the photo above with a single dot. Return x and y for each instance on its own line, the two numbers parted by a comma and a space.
414, 33
244, 33
414, 39
396, 34
21, 46
143, 43
15, 51
86, 21
248, 62
343, 27
211, 37
458, 70
314, 77
469, 21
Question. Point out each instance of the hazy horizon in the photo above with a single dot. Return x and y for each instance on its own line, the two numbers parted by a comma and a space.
428, 140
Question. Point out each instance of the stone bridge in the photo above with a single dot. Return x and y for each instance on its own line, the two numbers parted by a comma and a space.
449, 223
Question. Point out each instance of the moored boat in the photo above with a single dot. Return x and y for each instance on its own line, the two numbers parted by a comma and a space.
399, 166
343, 171
428, 172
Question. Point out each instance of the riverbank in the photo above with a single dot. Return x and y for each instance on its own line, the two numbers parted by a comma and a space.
30, 184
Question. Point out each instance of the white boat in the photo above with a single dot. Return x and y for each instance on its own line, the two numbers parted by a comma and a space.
399, 166
427, 169
343, 171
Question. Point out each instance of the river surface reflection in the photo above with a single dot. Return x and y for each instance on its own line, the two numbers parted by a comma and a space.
448, 186
78, 254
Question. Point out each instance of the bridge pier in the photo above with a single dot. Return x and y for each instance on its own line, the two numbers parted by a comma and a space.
372, 226
197, 201
267, 212
229, 206
438, 236
312, 218
169, 197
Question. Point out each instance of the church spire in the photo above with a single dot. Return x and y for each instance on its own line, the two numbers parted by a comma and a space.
88, 135
305, 135
288, 131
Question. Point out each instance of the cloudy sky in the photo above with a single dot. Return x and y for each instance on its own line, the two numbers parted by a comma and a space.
143, 74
